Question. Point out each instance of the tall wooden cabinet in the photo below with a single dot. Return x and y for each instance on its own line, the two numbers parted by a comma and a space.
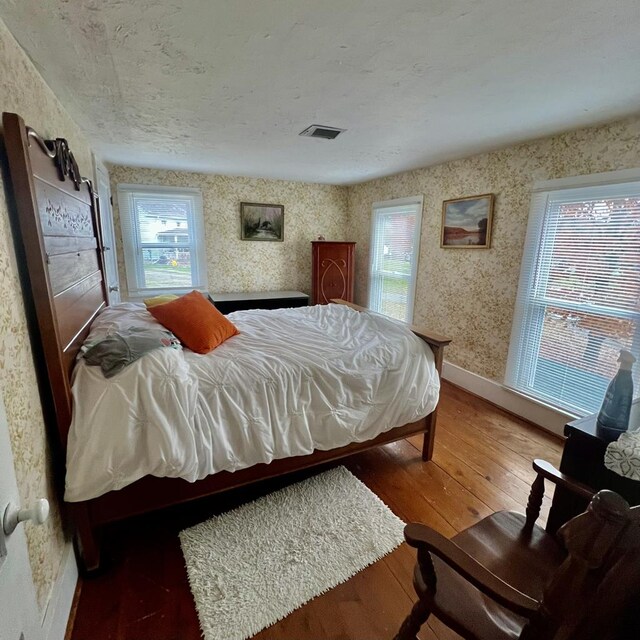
333, 271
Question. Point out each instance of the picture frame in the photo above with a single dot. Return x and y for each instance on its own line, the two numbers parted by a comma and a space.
261, 222
462, 222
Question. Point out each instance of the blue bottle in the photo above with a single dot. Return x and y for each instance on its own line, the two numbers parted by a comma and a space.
613, 419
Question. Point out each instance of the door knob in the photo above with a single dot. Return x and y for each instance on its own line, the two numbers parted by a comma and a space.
13, 515
114, 288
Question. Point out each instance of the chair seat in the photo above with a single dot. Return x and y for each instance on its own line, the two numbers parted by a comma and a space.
525, 561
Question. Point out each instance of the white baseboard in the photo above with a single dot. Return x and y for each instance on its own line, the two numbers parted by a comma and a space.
543, 415
56, 616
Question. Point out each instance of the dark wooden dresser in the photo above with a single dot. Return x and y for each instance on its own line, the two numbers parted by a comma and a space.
583, 459
242, 301
333, 271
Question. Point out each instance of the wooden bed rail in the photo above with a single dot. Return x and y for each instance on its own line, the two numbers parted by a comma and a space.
437, 343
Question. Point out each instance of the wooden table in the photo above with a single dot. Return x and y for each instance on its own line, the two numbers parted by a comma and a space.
241, 301
583, 459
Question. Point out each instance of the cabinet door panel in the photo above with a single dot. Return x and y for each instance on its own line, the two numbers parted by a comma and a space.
333, 272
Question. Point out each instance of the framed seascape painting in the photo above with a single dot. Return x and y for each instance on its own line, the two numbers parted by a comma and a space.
466, 222
261, 221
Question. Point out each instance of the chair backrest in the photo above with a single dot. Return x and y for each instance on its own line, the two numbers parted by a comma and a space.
594, 587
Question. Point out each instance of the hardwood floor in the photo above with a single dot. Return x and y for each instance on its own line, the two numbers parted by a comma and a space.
482, 463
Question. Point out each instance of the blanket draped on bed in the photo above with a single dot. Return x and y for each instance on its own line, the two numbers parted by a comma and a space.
294, 380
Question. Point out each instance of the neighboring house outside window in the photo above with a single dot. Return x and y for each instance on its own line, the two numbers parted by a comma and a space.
395, 247
163, 237
578, 300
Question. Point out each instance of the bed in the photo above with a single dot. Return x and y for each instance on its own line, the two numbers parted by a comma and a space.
65, 296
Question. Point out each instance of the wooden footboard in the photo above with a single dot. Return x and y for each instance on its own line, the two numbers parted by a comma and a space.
437, 344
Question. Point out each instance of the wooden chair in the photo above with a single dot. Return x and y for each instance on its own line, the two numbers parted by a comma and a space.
507, 578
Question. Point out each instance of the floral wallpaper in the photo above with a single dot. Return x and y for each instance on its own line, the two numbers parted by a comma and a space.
470, 295
243, 265
23, 91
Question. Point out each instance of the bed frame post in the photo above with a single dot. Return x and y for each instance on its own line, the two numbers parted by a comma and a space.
87, 537
430, 433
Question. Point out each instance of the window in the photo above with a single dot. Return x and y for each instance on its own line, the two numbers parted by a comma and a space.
163, 238
395, 246
578, 300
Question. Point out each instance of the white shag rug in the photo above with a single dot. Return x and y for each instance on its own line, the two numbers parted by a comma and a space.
252, 566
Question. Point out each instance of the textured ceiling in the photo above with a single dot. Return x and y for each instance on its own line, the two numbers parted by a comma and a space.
225, 86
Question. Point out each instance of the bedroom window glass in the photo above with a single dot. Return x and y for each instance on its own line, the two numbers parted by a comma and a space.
578, 300
162, 230
395, 247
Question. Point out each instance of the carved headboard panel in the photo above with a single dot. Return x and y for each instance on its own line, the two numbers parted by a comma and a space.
59, 230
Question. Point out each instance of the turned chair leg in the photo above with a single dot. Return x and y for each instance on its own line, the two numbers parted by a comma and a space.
534, 504
412, 623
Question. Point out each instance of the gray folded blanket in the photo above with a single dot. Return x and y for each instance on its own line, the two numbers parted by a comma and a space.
118, 350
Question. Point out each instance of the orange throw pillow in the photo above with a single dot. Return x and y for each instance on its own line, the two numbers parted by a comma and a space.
195, 321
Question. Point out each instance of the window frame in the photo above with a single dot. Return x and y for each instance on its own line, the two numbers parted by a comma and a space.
531, 301
376, 212
133, 245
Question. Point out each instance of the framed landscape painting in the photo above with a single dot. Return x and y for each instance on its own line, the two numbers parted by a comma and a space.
261, 222
466, 222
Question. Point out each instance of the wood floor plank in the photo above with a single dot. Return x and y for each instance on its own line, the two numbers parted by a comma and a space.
450, 448
495, 450
390, 481
497, 425
454, 502
493, 483
497, 415
449, 444
482, 463
350, 610
96, 610
477, 484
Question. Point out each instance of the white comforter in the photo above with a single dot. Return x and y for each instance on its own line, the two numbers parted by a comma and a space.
294, 380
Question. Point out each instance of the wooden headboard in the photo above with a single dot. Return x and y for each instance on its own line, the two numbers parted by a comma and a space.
63, 275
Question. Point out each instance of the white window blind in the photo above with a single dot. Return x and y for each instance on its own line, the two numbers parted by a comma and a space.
395, 247
578, 300
163, 238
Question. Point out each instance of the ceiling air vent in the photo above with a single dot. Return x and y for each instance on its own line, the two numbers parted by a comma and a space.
319, 131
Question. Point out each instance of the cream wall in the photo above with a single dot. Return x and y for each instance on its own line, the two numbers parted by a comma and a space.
23, 91
237, 265
469, 295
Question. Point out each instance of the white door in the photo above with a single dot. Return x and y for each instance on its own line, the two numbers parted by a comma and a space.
108, 233
19, 615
